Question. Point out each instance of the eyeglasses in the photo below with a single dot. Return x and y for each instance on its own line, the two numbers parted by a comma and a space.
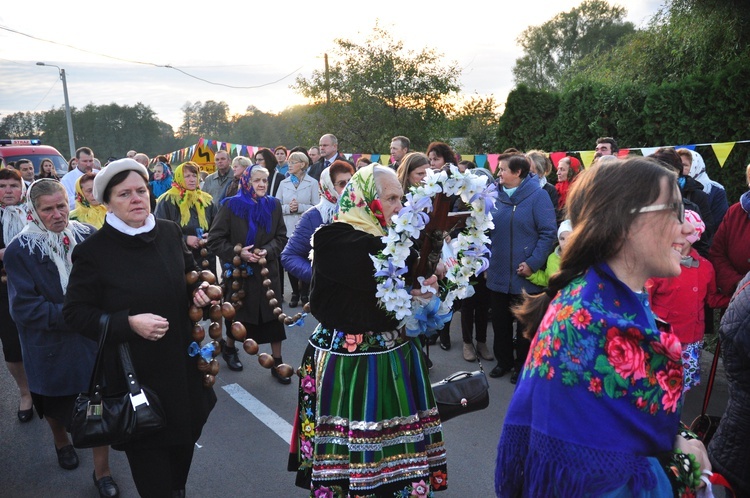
678, 207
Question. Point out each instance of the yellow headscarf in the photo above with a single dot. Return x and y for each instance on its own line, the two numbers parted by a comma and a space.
186, 199
85, 212
359, 204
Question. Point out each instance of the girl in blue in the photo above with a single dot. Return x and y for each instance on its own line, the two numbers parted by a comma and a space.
597, 408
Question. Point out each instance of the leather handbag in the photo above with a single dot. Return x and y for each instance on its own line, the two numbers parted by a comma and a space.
462, 392
100, 420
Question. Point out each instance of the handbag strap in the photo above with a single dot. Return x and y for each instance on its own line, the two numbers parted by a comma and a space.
127, 367
96, 374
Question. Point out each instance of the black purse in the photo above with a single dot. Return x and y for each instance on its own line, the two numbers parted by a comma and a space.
462, 392
111, 420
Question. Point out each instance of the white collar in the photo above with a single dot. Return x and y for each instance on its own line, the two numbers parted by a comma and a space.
119, 225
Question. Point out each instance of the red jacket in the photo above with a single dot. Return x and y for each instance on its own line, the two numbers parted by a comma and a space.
680, 300
730, 249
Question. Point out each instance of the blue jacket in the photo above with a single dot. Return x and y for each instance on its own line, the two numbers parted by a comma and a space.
525, 230
294, 257
58, 360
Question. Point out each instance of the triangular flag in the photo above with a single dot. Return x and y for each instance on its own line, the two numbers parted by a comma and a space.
722, 151
690, 147
492, 161
556, 156
587, 157
623, 153
480, 160
647, 151
354, 157
468, 157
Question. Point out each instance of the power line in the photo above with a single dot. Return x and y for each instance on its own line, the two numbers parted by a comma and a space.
166, 66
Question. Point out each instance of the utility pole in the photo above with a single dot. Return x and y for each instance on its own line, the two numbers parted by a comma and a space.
68, 117
328, 81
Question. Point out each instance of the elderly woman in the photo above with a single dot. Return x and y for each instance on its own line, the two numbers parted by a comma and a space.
297, 193
524, 236
12, 220
296, 255
133, 271
58, 361
239, 165
253, 220
597, 408
188, 206
730, 252
366, 423
88, 209
567, 169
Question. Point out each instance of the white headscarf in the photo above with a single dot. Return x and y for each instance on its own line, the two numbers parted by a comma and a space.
328, 204
14, 217
698, 171
56, 246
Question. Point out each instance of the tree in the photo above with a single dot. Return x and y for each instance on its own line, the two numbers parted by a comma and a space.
204, 120
20, 125
476, 122
378, 90
553, 47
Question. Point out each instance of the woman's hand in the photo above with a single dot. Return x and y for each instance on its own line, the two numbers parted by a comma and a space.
441, 270
192, 241
694, 447
524, 270
428, 282
200, 299
250, 255
149, 326
293, 206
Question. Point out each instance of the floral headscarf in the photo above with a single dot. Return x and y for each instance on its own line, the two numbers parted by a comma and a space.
360, 206
186, 199
85, 212
56, 246
13, 218
698, 171
328, 204
247, 205
158, 187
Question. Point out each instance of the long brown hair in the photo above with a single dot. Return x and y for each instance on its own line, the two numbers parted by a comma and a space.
602, 206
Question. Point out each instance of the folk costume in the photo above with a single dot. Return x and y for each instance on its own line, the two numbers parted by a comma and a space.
247, 219
366, 423
57, 360
12, 221
85, 212
597, 350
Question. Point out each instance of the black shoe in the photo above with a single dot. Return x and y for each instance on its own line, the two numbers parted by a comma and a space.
282, 380
429, 362
67, 458
26, 415
514, 376
230, 356
305, 299
445, 346
107, 486
498, 371
294, 302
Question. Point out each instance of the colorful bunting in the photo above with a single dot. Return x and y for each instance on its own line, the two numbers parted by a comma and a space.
722, 151
587, 157
492, 162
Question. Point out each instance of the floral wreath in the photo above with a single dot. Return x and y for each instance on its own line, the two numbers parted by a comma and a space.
470, 250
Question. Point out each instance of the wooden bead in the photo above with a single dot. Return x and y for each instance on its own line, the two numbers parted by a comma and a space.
282, 318
277, 311
195, 313
264, 272
238, 248
236, 273
236, 284
243, 273
204, 252
202, 364
214, 312
270, 294
273, 303
228, 311
237, 305
288, 320
213, 292
205, 263
214, 330
208, 276
266, 360
198, 333
191, 277
267, 282
217, 348
209, 380
262, 261
250, 346
241, 293
236, 261
285, 370
306, 307
238, 331
213, 367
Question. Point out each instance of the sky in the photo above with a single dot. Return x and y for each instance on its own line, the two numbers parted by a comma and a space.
116, 54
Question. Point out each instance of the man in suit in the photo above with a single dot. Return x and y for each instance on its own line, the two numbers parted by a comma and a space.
329, 152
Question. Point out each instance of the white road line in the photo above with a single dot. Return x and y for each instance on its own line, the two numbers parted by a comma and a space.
252, 404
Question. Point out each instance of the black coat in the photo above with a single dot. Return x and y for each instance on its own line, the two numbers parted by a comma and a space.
126, 275
317, 168
729, 451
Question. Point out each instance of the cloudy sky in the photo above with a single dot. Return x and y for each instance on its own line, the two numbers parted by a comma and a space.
118, 53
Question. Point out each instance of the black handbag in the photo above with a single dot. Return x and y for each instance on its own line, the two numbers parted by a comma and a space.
111, 420
462, 392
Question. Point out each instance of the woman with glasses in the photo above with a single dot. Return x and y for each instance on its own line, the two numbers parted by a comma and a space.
597, 407
297, 193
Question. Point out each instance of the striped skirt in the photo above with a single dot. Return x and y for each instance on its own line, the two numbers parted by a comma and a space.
366, 424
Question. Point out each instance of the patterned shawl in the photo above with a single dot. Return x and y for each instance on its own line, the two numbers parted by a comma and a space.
328, 204
359, 204
186, 199
246, 204
85, 212
13, 217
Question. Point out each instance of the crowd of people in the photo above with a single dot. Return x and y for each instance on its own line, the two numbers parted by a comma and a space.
601, 285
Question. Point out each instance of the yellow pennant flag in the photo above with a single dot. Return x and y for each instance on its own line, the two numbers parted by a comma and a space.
587, 157
722, 151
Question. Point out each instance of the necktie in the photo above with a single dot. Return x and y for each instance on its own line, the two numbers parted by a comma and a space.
326, 164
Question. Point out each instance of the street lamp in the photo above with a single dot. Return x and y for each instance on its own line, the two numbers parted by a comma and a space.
69, 119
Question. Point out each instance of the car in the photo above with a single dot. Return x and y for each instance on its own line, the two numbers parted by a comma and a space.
12, 150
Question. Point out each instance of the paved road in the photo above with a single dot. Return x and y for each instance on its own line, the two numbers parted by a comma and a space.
243, 450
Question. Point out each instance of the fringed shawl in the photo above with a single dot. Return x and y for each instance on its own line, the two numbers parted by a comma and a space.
186, 200
246, 204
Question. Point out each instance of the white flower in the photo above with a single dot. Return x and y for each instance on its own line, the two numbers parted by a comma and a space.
432, 183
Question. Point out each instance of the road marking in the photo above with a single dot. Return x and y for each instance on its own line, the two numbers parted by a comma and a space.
252, 404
